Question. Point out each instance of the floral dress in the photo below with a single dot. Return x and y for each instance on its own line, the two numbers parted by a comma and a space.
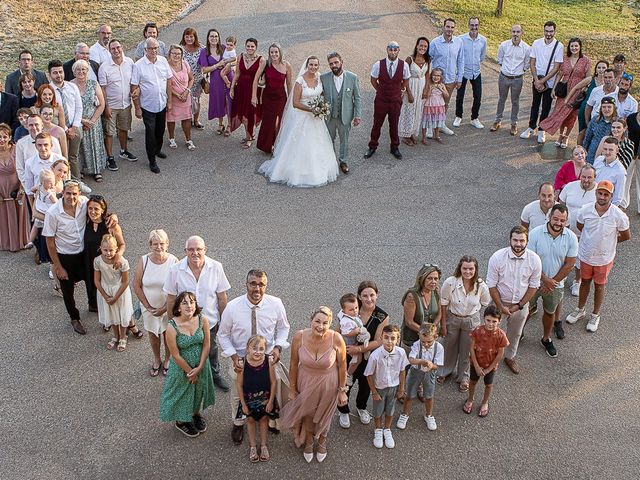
92, 156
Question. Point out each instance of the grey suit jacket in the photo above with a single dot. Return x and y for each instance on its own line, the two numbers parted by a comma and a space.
350, 95
13, 79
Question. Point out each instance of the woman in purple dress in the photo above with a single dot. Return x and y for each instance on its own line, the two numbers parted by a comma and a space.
211, 65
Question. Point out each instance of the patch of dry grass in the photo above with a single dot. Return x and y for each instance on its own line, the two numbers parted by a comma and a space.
51, 28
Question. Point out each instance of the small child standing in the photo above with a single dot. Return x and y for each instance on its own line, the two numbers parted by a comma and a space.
385, 374
114, 302
434, 112
256, 386
353, 331
425, 357
45, 196
229, 58
487, 349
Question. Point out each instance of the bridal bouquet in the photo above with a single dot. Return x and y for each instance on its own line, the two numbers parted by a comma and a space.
320, 107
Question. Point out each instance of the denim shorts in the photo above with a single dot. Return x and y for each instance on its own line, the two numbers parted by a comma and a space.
417, 377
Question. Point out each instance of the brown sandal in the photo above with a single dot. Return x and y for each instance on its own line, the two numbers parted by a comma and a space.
264, 454
253, 455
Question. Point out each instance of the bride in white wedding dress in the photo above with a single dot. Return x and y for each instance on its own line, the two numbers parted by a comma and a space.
303, 154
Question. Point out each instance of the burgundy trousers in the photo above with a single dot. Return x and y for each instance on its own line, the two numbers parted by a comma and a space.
381, 109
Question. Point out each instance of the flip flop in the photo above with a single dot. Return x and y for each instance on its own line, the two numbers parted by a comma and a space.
165, 370
463, 387
484, 410
467, 407
441, 380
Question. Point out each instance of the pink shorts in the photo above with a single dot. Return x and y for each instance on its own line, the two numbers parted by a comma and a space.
598, 273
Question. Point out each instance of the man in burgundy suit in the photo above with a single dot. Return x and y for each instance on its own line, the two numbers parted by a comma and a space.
390, 78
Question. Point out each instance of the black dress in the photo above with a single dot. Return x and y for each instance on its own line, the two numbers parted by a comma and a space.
92, 241
256, 387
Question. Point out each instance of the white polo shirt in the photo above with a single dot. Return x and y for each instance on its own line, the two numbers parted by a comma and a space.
533, 215
67, 230
600, 234
574, 197
152, 79
512, 275
541, 51
386, 366
461, 302
212, 281
115, 80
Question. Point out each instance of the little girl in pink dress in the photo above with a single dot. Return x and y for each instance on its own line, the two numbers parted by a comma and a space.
434, 112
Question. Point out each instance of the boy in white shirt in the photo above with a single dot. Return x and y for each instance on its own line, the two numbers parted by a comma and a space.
385, 374
353, 331
228, 59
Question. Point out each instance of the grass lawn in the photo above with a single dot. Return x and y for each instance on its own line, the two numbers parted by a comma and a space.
605, 26
51, 28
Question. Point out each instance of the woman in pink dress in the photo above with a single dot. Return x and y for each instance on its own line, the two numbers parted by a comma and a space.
181, 83
14, 224
570, 170
244, 110
576, 72
317, 375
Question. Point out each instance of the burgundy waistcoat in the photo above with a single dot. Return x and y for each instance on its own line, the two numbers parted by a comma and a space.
389, 88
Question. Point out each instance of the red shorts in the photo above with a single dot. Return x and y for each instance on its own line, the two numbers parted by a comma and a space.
599, 273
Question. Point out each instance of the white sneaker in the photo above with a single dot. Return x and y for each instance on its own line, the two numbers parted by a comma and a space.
446, 130
388, 438
402, 421
345, 422
541, 136
84, 188
172, 143
457, 121
365, 417
476, 123
527, 133
190, 145
577, 314
575, 289
50, 274
377, 438
431, 422
349, 380
429, 132
592, 324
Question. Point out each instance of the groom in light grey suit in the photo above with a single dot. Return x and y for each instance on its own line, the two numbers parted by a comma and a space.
342, 92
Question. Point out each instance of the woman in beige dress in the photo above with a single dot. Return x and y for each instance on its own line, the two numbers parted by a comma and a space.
151, 272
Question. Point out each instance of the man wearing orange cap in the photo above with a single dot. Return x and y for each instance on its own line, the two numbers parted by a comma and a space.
603, 226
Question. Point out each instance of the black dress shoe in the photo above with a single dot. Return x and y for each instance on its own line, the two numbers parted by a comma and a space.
344, 168
154, 167
161, 154
370, 153
237, 434
78, 327
93, 308
396, 153
221, 383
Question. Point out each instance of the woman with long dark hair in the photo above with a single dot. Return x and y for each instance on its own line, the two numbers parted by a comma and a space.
411, 113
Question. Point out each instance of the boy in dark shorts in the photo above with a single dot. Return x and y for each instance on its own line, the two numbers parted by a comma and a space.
487, 349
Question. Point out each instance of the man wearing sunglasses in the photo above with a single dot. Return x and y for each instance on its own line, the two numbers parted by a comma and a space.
625, 103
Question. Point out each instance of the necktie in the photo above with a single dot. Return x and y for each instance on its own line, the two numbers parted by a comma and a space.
64, 107
254, 326
390, 69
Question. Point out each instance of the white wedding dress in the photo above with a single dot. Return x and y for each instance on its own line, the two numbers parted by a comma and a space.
303, 155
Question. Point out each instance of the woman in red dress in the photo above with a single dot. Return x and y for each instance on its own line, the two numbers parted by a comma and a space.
244, 111
277, 73
576, 71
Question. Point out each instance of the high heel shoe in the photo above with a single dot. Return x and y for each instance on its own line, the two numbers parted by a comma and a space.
308, 456
322, 445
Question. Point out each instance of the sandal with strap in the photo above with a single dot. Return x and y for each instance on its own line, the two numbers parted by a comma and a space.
227, 132
112, 343
253, 455
321, 452
220, 130
154, 371
122, 344
165, 368
97, 177
264, 454
137, 333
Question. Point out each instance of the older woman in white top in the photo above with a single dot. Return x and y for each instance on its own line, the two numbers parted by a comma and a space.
462, 296
151, 273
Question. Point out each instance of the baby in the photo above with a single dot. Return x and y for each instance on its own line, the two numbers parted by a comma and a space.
228, 60
353, 331
44, 196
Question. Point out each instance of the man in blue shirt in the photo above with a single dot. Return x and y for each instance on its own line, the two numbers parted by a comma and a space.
446, 53
557, 247
474, 48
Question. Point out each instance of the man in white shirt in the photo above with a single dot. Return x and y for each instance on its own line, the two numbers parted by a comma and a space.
536, 213
475, 50
255, 313
575, 195
609, 167
68, 96
547, 55
99, 51
513, 58
43, 160
603, 226
389, 78
204, 277
151, 95
150, 31
114, 77
26, 146
607, 89
625, 103
513, 277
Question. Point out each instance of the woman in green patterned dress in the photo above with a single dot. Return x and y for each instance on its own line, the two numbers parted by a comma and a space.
188, 388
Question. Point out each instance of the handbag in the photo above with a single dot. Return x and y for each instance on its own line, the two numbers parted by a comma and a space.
577, 101
562, 88
137, 308
205, 85
553, 52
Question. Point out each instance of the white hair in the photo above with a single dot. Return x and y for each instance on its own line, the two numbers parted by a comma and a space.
158, 235
78, 64
194, 238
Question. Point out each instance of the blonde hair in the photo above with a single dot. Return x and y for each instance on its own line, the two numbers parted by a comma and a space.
323, 310
429, 329
109, 239
255, 339
159, 235
46, 175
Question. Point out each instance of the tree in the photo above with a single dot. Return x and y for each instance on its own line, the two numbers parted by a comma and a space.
499, 8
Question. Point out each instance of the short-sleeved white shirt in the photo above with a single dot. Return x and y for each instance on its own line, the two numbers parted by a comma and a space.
115, 80
513, 275
33, 168
600, 234
67, 230
542, 53
435, 353
386, 366
152, 79
212, 281
406, 73
460, 302
574, 197
533, 215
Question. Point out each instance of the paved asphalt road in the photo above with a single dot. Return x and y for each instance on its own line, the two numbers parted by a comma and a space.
70, 409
